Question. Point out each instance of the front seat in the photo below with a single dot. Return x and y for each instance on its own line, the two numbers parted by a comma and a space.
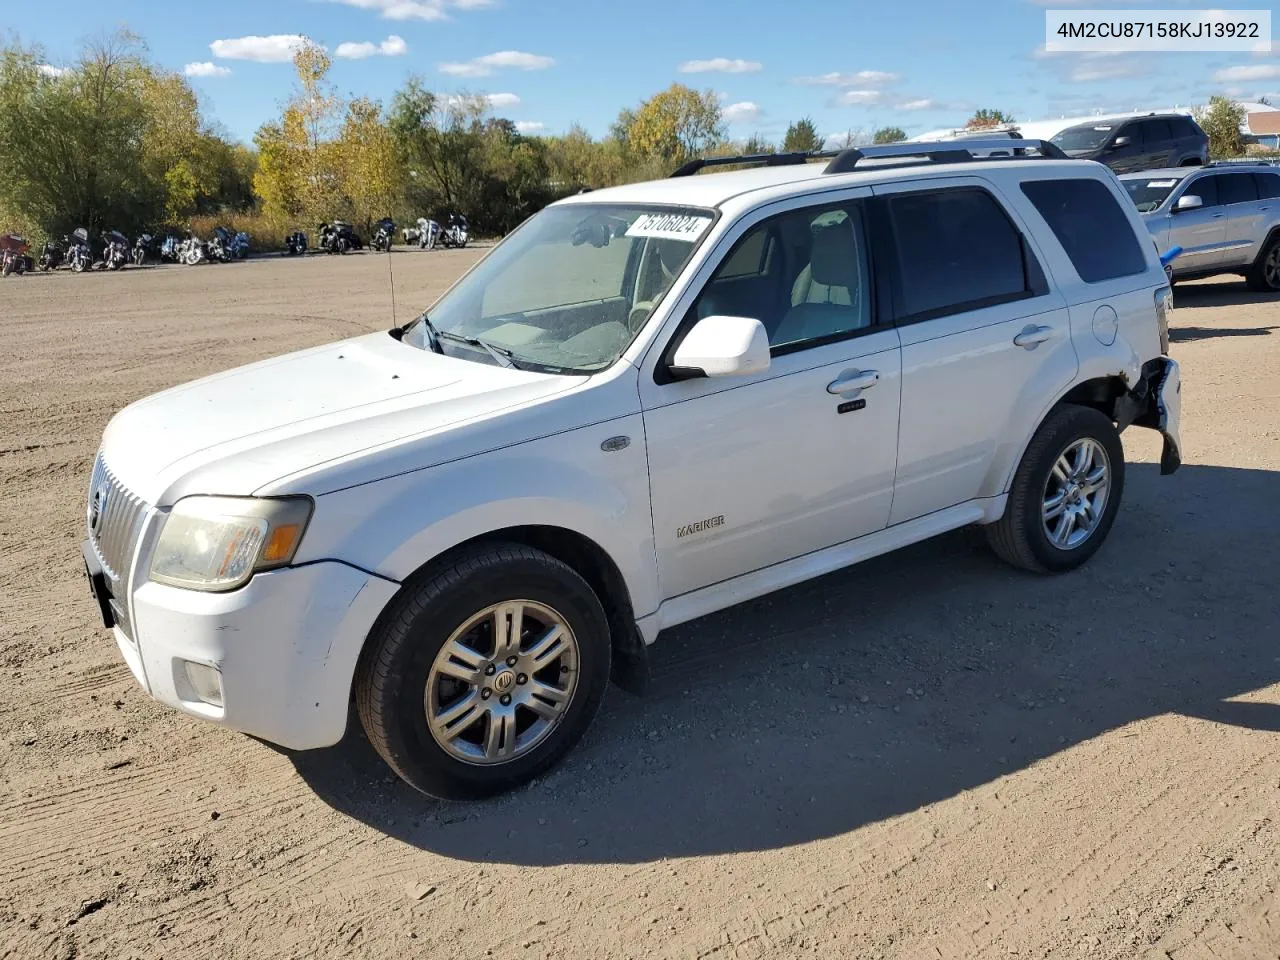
834, 263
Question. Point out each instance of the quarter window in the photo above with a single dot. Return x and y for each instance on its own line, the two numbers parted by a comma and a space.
956, 250
1090, 225
805, 275
1268, 185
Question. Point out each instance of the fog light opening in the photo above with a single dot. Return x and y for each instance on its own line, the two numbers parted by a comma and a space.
205, 681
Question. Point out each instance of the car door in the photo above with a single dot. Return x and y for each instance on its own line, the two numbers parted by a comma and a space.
750, 471
983, 338
1200, 232
1125, 152
1238, 194
1158, 144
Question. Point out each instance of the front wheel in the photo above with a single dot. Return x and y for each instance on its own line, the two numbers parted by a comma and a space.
7, 269
1264, 274
484, 674
78, 264
1065, 494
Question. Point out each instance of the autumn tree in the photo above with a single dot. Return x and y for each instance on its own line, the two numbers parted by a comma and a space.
986, 117
802, 137
371, 171
1221, 120
674, 125
889, 135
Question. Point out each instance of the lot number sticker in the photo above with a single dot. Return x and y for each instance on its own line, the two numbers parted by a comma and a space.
669, 226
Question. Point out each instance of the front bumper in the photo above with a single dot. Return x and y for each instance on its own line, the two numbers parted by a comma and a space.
285, 647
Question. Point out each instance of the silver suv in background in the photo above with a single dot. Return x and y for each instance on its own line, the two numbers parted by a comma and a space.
1225, 217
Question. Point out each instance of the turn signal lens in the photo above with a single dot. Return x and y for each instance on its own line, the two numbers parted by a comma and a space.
281, 543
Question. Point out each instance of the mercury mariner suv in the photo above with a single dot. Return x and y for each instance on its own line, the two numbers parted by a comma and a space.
648, 403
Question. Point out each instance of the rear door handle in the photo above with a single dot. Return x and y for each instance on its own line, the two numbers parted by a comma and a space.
851, 380
1032, 337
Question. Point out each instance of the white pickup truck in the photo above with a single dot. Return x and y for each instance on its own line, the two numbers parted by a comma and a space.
648, 403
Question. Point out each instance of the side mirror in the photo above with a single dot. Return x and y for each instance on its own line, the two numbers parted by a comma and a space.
722, 347
1121, 142
1189, 201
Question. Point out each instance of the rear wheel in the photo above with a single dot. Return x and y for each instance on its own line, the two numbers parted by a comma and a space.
485, 674
1263, 275
1065, 494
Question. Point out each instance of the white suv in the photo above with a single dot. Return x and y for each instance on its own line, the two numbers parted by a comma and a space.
648, 403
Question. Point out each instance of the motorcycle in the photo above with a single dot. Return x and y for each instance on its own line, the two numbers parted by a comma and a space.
192, 251
240, 245
457, 234
220, 245
13, 255
54, 254
295, 244
338, 237
428, 234
385, 235
171, 249
142, 247
115, 253
79, 255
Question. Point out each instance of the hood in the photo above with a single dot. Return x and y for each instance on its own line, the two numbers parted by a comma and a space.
235, 432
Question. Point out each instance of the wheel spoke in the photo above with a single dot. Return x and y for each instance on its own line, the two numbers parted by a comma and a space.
460, 662
1062, 470
458, 716
545, 700
1062, 534
1094, 482
500, 738
508, 622
1054, 506
541, 653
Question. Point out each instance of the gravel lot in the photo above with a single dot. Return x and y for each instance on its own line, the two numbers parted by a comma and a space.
928, 755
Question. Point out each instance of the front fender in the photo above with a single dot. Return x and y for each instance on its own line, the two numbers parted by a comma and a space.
393, 527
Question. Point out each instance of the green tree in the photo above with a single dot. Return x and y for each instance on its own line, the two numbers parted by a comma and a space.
676, 124
372, 173
756, 144
986, 117
1221, 120
802, 137
889, 135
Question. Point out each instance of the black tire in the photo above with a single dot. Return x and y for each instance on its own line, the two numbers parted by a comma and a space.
1258, 277
7, 268
1019, 537
392, 676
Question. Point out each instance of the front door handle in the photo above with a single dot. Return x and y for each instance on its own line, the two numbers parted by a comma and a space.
851, 380
1032, 337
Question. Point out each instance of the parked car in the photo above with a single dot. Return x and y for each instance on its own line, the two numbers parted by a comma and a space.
470, 523
1225, 217
1138, 143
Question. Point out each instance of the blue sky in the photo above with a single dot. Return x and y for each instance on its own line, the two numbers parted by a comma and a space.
850, 64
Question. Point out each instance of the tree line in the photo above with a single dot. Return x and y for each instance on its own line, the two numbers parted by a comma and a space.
116, 141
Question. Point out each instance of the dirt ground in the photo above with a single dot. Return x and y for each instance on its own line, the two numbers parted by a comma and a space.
928, 755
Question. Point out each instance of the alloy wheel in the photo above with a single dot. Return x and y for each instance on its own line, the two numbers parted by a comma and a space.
1075, 494
502, 682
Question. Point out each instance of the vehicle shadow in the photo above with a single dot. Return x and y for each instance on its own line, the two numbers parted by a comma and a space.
1221, 292
886, 687
1188, 334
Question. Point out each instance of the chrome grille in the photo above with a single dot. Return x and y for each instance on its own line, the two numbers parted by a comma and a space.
115, 517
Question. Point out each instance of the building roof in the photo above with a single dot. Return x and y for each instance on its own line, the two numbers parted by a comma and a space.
1263, 121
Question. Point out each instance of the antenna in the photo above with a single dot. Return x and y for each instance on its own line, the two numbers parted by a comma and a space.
392, 277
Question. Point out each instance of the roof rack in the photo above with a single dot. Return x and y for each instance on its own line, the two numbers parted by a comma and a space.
944, 152
1243, 161
754, 159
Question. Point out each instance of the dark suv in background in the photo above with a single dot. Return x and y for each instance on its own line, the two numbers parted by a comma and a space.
1138, 143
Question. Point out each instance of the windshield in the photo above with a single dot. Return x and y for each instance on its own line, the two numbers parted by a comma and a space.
1088, 137
569, 290
1148, 194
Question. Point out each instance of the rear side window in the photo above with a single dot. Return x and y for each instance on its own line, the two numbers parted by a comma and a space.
1236, 188
1268, 185
1091, 227
1156, 131
956, 250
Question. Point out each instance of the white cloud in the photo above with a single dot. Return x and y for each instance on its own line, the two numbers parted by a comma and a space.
278, 48
863, 78
393, 46
530, 126
721, 65
744, 112
1261, 71
49, 70
1093, 71
486, 65
205, 69
501, 100
860, 98
920, 103
428, 10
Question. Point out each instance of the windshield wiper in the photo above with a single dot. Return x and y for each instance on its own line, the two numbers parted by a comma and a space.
501, 354
433, 335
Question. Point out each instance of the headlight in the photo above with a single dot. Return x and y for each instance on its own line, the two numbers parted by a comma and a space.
218, 543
